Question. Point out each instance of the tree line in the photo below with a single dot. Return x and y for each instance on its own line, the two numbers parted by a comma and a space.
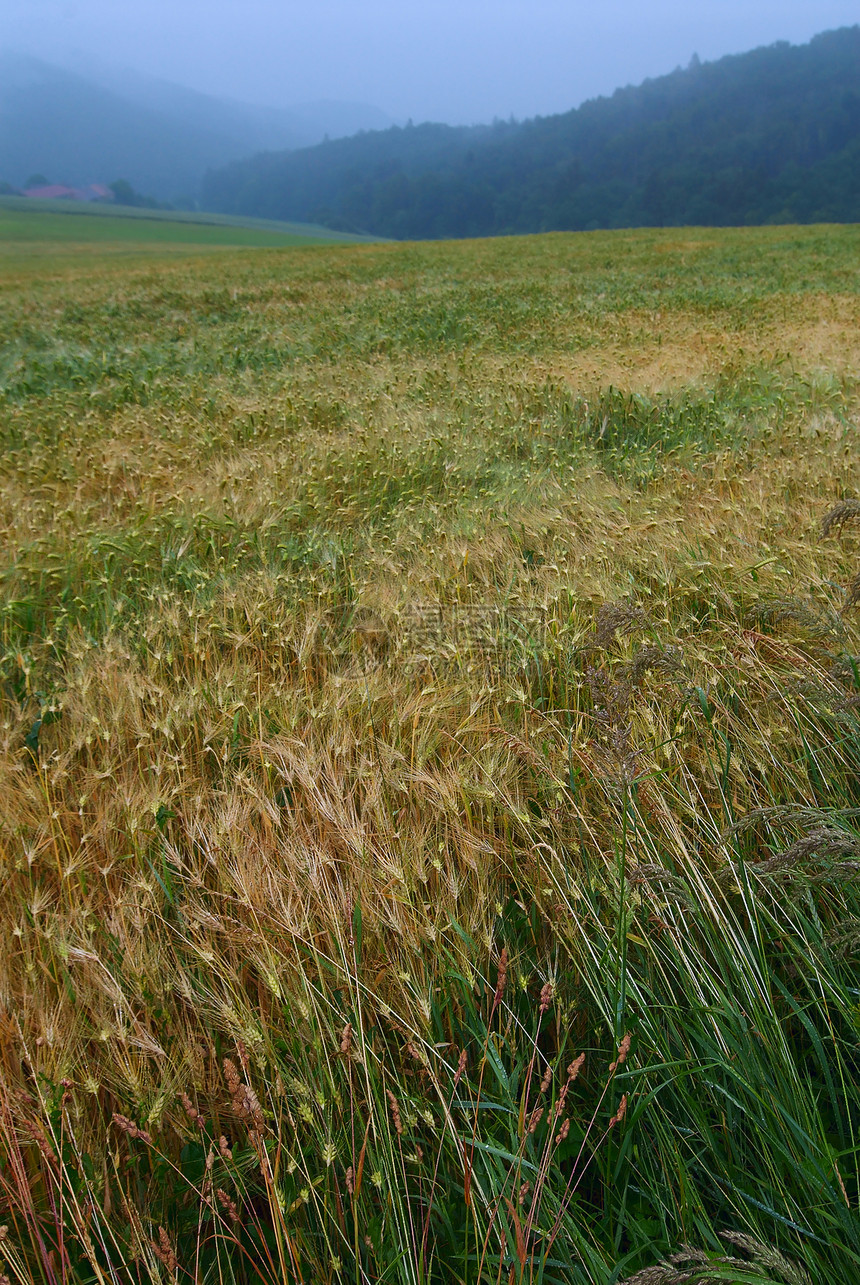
769, 136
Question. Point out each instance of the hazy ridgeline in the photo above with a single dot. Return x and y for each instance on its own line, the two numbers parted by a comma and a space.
769, 136
427, 671
97, 125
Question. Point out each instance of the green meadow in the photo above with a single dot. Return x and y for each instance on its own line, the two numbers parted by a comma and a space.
64, 229
429, 756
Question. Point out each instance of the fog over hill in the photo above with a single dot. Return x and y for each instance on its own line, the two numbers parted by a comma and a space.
768, 136
772, 135
99, 123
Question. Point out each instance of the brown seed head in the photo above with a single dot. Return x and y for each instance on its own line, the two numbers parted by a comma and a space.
395, 1112
502, 978
245, 1102
575, 1067
623, 1050
191, 1111
163, 1251
128, 1126
231, 1075
614, 618
228, 1205
545, 997
37, 1133
620, 1113
844, 512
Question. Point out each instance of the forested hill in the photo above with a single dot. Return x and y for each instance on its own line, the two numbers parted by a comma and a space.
768, 136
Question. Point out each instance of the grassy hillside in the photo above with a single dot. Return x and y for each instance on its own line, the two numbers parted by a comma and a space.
429, 761
771, 136
64, 230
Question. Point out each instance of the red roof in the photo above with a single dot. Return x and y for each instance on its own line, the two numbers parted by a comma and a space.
58, 192
53, 192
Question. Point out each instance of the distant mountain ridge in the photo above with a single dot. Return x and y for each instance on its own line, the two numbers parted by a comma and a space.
102, 125
768, 136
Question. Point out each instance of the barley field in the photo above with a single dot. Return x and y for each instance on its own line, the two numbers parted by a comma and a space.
430, 761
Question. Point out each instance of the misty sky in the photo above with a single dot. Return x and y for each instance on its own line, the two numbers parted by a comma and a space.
449, 60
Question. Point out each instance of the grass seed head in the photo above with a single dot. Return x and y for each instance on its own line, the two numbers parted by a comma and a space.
844, 511
395, 1112
535, 1119
227, 1204
765, 1256
127, 1126
502, 978
575, 1067
164, 1252
617, 618
623, 1050
620, 1113
244, 1100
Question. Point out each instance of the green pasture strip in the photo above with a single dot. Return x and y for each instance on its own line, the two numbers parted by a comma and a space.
64, 223
61, 229
206, 218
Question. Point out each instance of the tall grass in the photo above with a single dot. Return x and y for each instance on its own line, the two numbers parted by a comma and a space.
349, 939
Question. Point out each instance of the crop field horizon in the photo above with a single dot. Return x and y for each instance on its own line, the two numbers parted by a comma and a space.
67, 235
430, 761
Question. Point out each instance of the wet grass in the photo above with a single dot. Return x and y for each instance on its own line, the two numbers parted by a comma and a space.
66, 235
430, 762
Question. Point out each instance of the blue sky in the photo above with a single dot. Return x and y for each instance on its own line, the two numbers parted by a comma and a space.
449, 60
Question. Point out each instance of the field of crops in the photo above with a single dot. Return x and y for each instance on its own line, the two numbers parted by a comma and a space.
70, 232
430, 761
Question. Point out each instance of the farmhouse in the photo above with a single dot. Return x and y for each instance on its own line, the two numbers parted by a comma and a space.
58, 192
